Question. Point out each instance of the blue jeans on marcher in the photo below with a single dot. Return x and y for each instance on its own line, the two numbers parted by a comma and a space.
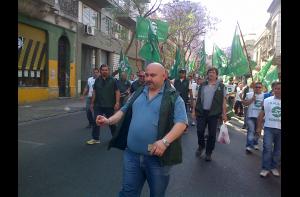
271, 155
138, 168
252, 139
108, 112
89, 113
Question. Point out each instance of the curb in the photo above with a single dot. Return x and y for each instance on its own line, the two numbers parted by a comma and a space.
51, 116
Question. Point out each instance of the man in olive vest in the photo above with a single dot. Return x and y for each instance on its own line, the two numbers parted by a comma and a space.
105, 100
183, 86
210, 105
149, 130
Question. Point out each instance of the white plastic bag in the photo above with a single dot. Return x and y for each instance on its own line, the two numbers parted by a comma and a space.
223, 135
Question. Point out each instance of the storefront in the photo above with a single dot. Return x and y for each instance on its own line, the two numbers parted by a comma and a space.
46, 63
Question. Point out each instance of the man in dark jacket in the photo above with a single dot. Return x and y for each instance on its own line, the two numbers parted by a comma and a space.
183, 86
210, 105
105, 100
151, 123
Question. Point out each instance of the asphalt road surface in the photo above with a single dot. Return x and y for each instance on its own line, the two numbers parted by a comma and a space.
54, 161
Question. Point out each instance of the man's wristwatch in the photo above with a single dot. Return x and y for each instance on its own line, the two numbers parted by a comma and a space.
165, 141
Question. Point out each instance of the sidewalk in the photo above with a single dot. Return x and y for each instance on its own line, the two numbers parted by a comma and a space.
49, 108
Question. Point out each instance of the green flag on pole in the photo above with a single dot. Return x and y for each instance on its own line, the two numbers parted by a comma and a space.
124, 65
202, 55
238, 61
220, 61
192, 65
150, 51
160, 29
174, 69
270, 77
263, 71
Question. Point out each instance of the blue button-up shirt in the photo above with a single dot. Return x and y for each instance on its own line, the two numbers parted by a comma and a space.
143, 128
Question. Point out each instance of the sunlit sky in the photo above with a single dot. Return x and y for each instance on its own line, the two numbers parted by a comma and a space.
252, 16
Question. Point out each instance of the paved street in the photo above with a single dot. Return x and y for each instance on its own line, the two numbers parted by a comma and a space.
54, 161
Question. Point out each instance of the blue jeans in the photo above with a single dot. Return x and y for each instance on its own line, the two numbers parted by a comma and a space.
138, 168
252, 139
271, 155
108, 112
89, 113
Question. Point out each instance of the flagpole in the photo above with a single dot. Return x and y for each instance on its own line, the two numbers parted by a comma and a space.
136, 49
212, 56
246, 52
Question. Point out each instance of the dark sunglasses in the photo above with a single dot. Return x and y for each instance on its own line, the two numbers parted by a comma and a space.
258, 87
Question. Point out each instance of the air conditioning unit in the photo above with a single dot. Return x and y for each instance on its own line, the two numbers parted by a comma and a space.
89, 30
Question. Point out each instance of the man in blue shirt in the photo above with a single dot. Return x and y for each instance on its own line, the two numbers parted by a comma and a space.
146, 150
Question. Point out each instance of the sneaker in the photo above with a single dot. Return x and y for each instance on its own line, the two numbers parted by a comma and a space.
248, 150
193, 123
199, 152
92, 141
256, 147
208, 157
275, 172
264, 173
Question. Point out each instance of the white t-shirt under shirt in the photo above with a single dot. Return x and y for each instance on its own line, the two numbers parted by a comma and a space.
238, 92
194, 86
272, 108
90, 84
255, 107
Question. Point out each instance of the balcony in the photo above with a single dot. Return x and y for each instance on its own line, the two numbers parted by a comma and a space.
126, 21
99, 4
41, 8
68, 8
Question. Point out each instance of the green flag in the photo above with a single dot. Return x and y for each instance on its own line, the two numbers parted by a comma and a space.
142, 26
174, 69
263, 71
150, 51
124, 65
160, 29
271, 76
192, 66
220, 61
202, 55
238, 61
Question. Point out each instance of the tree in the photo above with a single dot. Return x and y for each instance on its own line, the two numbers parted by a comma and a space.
134, 8
188, 22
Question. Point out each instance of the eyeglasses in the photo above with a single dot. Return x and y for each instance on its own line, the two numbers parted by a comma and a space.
142, 76
259, 87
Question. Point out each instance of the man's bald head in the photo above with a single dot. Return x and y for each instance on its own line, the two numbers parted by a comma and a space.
155, 75
157, 65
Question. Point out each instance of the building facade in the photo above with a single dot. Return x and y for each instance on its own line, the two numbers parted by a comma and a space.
60, 41
101, 36
269, 43
46, 49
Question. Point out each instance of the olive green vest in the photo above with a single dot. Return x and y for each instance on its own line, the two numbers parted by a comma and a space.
217, 102
105, 92
173, 154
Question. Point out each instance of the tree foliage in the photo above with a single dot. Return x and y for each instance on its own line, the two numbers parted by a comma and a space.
134, 8
189, 21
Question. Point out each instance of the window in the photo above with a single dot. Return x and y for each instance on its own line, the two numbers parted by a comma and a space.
89, 16
273, 42
108, 25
